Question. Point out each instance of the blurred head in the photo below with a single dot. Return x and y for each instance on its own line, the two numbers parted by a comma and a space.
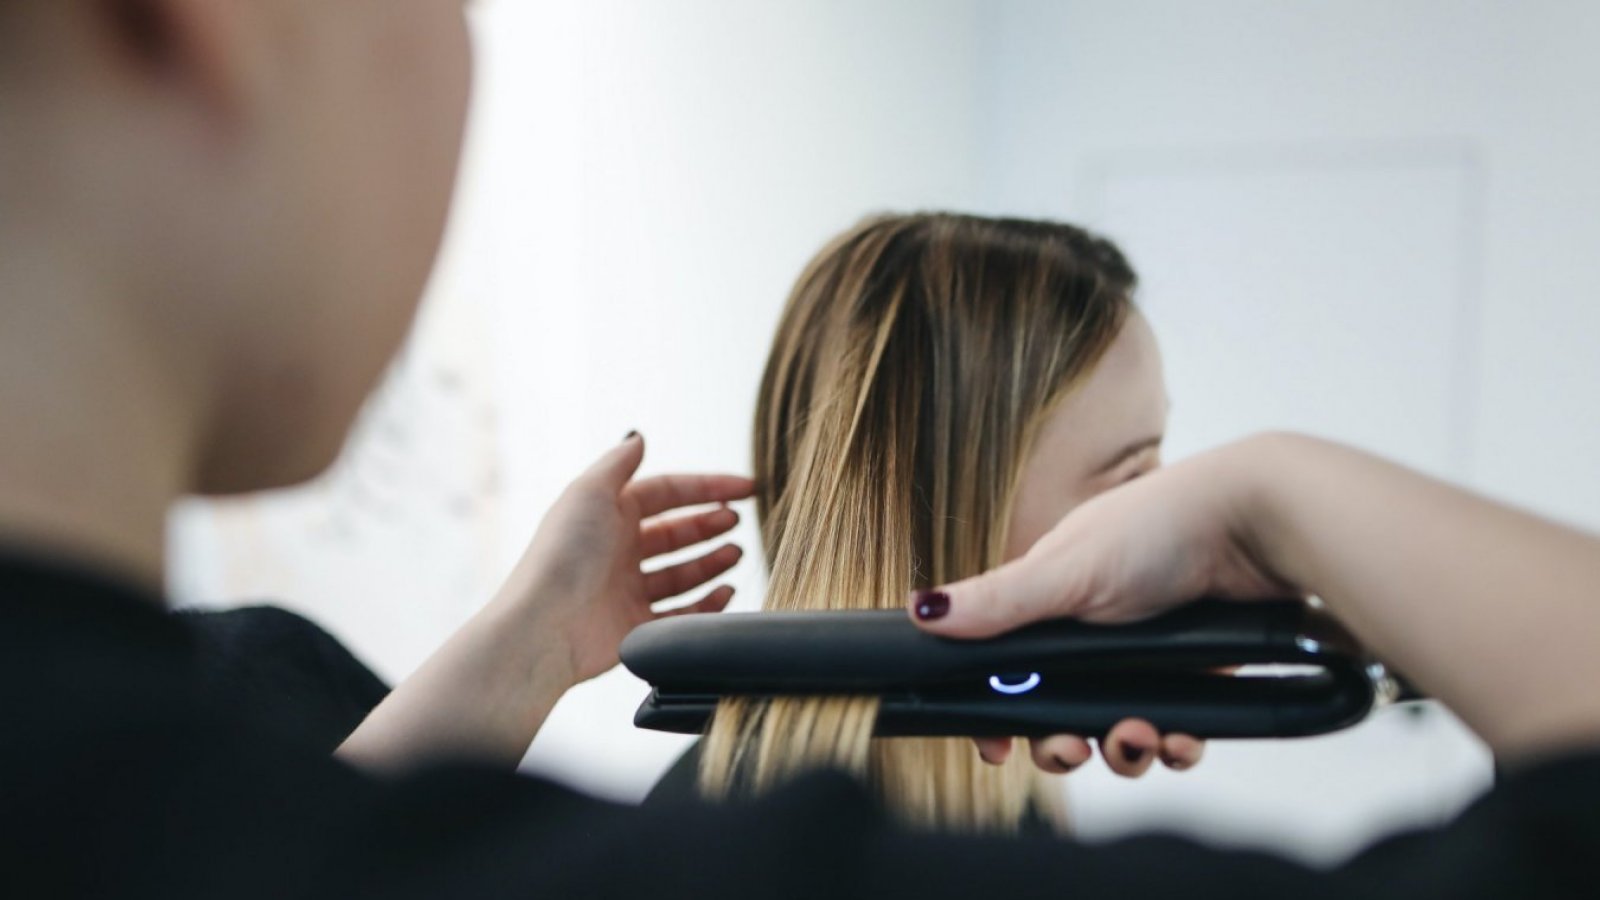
254, 192
940, 389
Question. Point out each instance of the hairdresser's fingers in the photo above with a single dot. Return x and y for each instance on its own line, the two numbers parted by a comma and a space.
993, 751
997, 601
663, 492
675, 580
714, 602
1131, 747
1180, 751
616, 466
656, 538
1060, 754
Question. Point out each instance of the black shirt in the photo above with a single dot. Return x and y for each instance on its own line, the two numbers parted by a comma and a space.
283, 672
682, 779
119, 777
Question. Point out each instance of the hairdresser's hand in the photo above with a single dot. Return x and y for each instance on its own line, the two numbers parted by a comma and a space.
581, 585
578, 590
1130, 553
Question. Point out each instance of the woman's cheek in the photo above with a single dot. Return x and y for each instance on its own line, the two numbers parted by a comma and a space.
1031, 520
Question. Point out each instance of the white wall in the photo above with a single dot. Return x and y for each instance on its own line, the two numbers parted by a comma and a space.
1370, 219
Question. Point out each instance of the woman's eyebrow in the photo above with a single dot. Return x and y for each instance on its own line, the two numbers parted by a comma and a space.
1130, 451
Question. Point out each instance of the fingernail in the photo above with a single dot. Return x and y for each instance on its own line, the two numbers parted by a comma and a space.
1065, 766
1133, 752
930, 605
629, 436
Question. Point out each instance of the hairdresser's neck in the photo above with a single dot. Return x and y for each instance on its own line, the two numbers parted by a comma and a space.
97, 441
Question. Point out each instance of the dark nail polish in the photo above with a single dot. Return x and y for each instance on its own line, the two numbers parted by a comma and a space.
1133, 753
930, 605
629, 436
1065, 766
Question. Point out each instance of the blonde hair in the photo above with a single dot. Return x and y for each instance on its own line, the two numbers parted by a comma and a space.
912, 366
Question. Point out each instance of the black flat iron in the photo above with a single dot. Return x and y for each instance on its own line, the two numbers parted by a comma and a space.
1212, 669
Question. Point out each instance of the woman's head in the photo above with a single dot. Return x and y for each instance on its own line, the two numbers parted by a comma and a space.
928, 372
926, 355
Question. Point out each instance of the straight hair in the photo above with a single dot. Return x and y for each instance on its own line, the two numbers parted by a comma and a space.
913, 364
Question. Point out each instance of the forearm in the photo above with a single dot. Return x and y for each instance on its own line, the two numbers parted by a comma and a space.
482, 697
1493, 611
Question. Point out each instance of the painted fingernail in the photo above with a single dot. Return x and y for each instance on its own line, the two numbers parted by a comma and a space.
930, 605
1065, 766
629, 436
1133, 752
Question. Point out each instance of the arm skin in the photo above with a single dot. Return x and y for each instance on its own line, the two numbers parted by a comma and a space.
481, 697
1492, 611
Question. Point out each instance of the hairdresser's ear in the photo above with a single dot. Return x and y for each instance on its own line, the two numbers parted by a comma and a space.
211, 51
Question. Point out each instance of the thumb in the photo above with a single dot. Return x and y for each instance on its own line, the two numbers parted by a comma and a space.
1016, 594
617, 466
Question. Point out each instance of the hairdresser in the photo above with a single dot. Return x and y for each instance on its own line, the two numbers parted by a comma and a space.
215, 220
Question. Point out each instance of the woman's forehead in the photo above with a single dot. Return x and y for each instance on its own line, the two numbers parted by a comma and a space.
1122, 402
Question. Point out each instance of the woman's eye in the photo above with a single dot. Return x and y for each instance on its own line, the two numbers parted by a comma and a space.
1142, 469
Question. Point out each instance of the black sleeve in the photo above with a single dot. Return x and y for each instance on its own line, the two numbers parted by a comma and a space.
275, 668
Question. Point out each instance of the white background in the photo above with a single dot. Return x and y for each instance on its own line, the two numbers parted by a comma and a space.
1373, 220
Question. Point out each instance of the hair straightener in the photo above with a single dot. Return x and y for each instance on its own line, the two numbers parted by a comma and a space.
1302, 673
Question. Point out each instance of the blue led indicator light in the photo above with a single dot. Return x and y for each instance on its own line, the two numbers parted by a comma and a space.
1014, 684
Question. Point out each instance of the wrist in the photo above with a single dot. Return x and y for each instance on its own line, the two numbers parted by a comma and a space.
532, 651
1260, 516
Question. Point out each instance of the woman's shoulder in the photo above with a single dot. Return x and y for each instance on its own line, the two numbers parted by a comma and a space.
680, 782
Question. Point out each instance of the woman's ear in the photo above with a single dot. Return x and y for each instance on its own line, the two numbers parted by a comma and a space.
210, 50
